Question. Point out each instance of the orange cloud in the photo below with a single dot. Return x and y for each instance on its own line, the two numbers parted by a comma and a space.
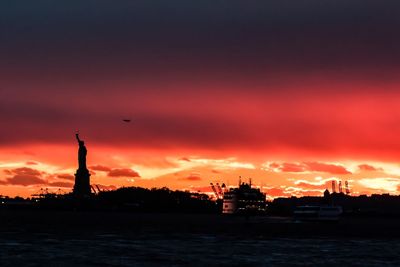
308, 185
366, 167
387, 184
24, 180
318, 184
26, 171
23, 176
307, 167
123, 173
328, 168
298, 191
66, 176
30, 177
100, 168
192, 177
289, 167
7, 172
277, 192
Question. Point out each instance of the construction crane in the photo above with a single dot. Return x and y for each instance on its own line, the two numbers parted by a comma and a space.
214, 190
93, 190
98, 189
60, 192
45, 193
223, 186
38, 194
220, 192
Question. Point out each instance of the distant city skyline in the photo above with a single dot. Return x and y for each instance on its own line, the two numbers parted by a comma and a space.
180, 94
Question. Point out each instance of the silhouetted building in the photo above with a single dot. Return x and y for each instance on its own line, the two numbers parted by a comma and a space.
82, 175
327, 194
244, 199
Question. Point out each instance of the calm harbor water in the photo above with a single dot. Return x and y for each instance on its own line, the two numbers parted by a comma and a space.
155, 249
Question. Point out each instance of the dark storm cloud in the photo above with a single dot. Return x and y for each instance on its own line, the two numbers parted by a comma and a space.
70, 37
187, 69
154, 130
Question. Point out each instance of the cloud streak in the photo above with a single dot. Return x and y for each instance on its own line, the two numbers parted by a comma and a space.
123, 173
23, 176
383, 184
305, 167
192, 177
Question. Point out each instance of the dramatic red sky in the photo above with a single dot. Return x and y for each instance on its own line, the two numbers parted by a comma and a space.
293, 94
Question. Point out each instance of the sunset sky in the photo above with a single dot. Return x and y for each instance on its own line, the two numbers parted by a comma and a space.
293, 94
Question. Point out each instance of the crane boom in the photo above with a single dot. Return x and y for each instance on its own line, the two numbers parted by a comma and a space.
214, 190
220, 192
93, 189
98, 188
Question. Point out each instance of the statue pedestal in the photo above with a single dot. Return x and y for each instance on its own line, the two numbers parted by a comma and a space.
82, 182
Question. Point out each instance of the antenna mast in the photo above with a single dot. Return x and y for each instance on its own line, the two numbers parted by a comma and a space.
333, 186
346, 184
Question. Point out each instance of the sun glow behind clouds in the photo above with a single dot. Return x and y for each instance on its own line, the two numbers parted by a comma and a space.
40, 166
319, 181
384, 184
182, 164
228, 163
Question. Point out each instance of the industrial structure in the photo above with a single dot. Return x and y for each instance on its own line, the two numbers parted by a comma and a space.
218, 190
340, 187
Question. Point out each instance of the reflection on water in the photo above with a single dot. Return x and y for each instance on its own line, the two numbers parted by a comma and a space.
95, 249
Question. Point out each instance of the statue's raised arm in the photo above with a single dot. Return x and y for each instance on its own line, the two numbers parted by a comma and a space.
77, 137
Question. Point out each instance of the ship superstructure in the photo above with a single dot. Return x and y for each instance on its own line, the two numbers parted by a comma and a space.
244, 200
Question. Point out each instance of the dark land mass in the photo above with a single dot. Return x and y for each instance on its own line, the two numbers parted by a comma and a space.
160, 227
133, 211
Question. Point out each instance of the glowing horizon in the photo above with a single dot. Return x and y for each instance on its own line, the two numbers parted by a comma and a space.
109, 169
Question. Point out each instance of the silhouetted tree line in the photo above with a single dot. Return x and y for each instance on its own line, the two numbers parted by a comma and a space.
160, 200
135, 199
